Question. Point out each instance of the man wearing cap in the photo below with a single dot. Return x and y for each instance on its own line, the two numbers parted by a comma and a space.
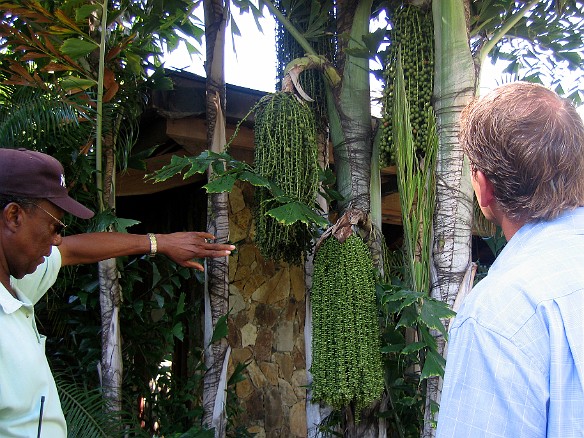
33, 201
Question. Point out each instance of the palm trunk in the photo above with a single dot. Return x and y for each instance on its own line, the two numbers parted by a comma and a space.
110, 298
353, 153
351, 130
217, 284
111, 352
454, 87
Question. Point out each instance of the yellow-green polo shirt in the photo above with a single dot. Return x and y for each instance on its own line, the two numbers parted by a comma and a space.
26, 381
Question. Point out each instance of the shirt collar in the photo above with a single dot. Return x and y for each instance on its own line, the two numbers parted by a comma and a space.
9, 303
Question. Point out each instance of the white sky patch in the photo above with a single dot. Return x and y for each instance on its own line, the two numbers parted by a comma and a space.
252, 62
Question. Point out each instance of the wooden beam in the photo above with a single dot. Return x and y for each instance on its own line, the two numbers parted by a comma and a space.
133, 182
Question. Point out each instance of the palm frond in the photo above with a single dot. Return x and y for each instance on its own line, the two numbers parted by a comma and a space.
33, 118
87, 415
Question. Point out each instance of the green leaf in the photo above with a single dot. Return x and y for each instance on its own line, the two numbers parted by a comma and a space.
402, 294
180, 306
221, 329
84, 11
394, 348
433, 366
237, 375
413, 347
408, 317
175, 167
138, 305
373, 40
432, 312
295, 211
197, 167
76, 83
326, 176
221, 184
177, 331
160, 300
76, 48
155, 274
254, 179
134, 62
122, 224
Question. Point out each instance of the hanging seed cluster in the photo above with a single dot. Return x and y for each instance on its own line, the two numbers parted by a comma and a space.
346, 365
312, 82
412, 35
285, 153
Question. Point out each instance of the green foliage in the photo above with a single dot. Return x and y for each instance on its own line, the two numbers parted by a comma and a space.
346, 365
31, 118
416, 183
227, 170
87, 415
544, 45
409, 351
412, 36
286, 153
161, 315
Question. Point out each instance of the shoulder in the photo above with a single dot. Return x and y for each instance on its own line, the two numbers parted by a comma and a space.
35, 285
542, 264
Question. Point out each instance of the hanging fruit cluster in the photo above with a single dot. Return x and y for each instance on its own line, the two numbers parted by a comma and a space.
285, 153
346, 363
412, 36
299, 13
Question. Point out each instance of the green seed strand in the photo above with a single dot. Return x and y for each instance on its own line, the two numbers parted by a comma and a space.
286, 152
412, 36
346, 365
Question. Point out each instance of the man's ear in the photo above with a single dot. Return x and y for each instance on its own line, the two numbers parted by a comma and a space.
12, 216
486, 195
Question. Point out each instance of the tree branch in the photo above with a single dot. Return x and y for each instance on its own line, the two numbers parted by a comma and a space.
485, 50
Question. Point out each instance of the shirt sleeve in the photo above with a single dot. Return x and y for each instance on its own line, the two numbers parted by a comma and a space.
491, 387
35, 285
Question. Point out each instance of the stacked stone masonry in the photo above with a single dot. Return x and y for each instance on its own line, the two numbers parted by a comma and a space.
266, 330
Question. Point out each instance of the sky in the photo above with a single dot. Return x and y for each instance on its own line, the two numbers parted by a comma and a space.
251, 59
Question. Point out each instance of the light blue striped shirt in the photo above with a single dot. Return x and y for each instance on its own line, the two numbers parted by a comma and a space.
515, 361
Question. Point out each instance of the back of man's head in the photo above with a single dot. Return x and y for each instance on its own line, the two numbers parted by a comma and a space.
529, 142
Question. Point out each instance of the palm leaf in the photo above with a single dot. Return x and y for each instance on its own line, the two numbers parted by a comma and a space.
34, 118
87, 415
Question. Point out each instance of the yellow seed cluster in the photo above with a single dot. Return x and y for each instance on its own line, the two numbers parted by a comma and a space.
346, 365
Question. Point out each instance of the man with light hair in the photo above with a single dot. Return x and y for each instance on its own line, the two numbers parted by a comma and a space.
515, 363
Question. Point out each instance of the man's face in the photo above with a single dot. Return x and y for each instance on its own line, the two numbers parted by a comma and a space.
35, 238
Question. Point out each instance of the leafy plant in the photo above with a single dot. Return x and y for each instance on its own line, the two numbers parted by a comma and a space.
408, 364
288, 209
286, 153
87, 415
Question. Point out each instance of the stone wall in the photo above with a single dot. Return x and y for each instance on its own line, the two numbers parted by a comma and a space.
266, 329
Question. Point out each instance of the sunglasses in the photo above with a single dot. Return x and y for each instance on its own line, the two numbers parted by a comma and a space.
59, 226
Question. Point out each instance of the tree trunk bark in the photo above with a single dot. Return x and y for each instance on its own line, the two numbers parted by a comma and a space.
454, 88
352, 136
217, 269
111, 365
110, 298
